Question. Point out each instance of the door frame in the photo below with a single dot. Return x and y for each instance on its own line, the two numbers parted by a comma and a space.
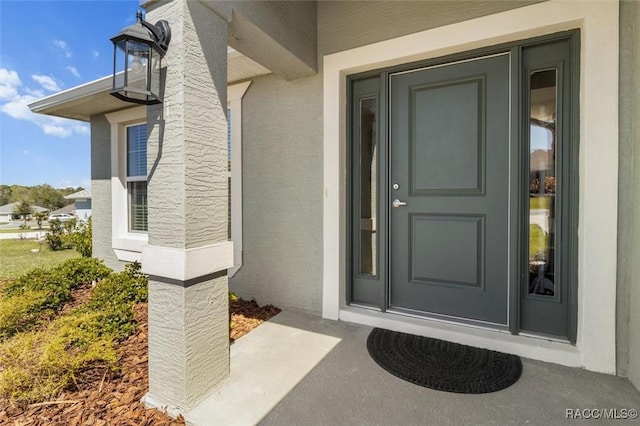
517, 198
597, 259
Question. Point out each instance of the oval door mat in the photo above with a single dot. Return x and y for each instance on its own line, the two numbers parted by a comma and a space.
441, 365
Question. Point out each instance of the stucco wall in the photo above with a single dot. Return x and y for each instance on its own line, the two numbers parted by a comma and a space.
347, 24
282, 193
282, 150
628, 292
101, 191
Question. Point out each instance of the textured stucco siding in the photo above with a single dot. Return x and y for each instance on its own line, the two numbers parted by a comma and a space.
188, 206
187, 147
188, 336
282, 150
628, 292
101, 191
344, 25
282, 193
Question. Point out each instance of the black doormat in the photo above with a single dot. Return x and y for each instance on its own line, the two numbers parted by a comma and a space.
441, 365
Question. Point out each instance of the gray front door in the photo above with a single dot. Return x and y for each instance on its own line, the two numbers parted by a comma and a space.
449, 162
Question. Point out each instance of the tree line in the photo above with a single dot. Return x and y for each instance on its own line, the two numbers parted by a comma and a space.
40, 195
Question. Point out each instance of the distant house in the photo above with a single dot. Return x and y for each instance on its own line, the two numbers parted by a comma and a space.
70, 209
7, 211
82, 203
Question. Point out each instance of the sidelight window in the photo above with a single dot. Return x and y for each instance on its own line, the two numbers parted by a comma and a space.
368, 148
542, 181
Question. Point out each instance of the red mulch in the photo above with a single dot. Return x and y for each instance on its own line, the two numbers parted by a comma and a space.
114, 399
245, 315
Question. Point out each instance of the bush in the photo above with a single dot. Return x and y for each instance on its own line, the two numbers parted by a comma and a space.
17, 313
40, 292
115, 297
70, 234
56, 237
80, 238
38, 365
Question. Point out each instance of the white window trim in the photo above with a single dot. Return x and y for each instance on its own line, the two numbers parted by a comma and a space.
234, 103
595, 347
126, 245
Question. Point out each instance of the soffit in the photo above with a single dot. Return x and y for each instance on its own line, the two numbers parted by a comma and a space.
81, 102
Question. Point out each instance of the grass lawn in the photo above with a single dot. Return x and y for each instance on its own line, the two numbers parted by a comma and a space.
19, 231
16, 257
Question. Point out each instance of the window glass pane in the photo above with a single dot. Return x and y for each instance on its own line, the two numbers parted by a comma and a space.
542, 182
137, 151
368, 191
137, 205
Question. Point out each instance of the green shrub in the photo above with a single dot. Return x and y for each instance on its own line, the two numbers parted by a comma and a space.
82, 270
38, 365
41, 292
56, 237
128, 286
70, 225
17, 313
60, 278
80, 238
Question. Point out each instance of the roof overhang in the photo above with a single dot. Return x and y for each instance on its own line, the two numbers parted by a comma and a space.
93, 98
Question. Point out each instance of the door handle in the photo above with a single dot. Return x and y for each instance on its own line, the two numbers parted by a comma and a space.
397, 203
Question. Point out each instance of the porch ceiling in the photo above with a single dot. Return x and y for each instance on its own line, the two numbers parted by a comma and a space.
81, 102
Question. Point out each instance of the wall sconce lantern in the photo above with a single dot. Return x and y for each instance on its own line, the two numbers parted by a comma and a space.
137, 53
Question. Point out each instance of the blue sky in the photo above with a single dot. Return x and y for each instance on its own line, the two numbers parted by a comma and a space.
45, 47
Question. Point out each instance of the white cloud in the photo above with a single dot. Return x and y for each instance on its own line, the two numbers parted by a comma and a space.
9, 83
46, 82
16, 107
55, 130
82, 129
35, 92
15, 98
74, 71
25, 152
95, 54
63, 47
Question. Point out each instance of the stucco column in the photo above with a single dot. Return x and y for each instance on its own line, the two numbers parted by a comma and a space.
188, 252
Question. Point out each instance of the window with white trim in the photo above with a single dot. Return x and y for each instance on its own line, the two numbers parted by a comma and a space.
129, 205
136, 177
128, 182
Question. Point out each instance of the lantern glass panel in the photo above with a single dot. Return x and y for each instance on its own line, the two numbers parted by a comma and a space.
119, 58
154, 74
137, 58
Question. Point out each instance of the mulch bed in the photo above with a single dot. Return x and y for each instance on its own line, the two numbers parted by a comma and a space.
114, 399
245, 315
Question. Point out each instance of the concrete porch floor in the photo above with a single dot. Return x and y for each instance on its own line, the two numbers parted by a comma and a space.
301, 369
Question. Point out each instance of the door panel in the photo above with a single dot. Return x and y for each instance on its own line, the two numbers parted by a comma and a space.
449, 142
437, 166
